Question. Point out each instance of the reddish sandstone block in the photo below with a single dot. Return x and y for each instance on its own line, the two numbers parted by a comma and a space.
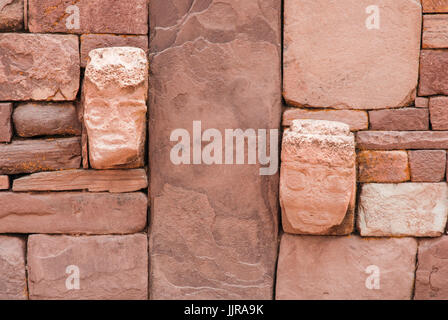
430, 6
431, 277
38, 67
438, 108
427, 165
12, 268
356, 119
106, 16
406, 119
435, 31
110, 267
90, 42
383, 166
11, 15
421, 102
5, 122
433, 72
400, 140
4, 182
344, 268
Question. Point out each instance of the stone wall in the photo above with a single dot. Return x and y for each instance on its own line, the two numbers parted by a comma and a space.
354, 94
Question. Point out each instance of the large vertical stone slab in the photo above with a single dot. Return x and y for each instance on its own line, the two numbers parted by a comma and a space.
115, 90
96, 267
345, 268
12, 268
318, 176
213, 232
334, 56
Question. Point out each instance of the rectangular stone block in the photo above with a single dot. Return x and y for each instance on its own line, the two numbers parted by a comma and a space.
345, 268
27, 156
433, 73
4, 182
5, 122
91, 180
431, 277
95, 41
218, 62
383, 166
406, 209
46, 119
427, 165
430, 6
438, 108
12, 268
325, 63
72, 212
356, 119
88, 268
11, 15
399, 140
38, 67
435, 31
86, 16
405, 119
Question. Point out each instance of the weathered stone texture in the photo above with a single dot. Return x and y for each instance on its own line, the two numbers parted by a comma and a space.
105, 16
406, 209
219, 61
435, 31
43, 119
116, 127
5, 122
438, 108
318, 176
338, 268
27, 156
430, 6
383, 166
38, 67
12, 268
400, 140
4, 182
341, 63
11, 15
421, 102
90, 42
431, 277
433, 73
91, 180
72, 212
406, 119
110, 267
427, 165
356, 119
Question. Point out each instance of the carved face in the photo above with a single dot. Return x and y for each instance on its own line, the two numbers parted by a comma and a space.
116, 125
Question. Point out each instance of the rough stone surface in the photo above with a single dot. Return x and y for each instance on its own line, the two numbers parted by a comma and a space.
220, 61
43, 119
29, 156
430, 6
344, 65
5, 122
12, 268
72, 212
90, 42
431, 277
4, 182
106, 16
11, 15
110, 267
399, 140
318, 176
383, 166
114, 94
38, 67
427, 165
356, 119
438, 108
421, 102
406, 209
318, 268
91, 180
433, 73
435, 31
406, 119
